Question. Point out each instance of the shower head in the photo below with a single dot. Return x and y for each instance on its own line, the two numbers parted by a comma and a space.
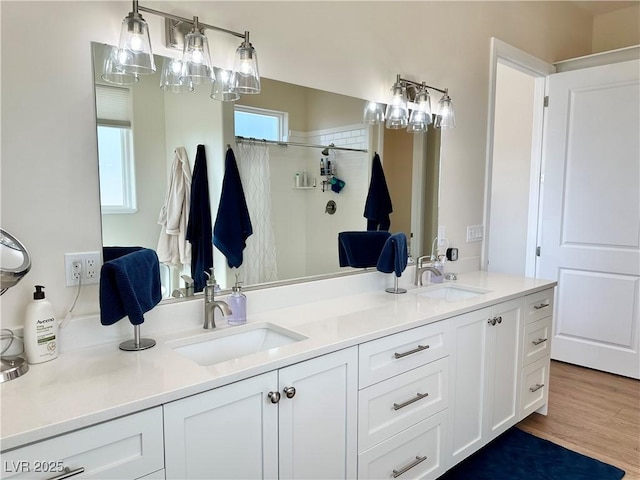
325, 152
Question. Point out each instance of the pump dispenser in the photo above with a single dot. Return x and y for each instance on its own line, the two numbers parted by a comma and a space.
238, 303
40, 329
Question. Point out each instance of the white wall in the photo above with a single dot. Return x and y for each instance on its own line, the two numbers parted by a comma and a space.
511, 177
49, 169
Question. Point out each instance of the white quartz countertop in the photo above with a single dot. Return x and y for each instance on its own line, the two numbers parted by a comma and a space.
94, 384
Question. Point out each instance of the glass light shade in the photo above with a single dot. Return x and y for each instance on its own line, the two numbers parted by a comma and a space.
421, 114
222, 88
373, 113
170, 79
134, 50
446, 117
246, 77
196, 60
397, 109
110, 72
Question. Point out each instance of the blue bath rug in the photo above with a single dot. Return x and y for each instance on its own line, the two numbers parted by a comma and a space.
517, 455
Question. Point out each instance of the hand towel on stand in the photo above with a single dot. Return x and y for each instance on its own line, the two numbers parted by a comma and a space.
378, 205
394, 256
233, 225
173, 248
199, 225
129, 286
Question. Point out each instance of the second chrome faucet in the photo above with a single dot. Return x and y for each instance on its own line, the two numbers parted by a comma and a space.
210, 303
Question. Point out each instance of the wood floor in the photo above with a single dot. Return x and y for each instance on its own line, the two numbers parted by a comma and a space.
594, 413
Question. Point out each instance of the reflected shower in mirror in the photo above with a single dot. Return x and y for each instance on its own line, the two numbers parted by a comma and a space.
300, 236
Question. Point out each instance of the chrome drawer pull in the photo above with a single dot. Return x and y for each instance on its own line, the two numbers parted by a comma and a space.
536, 388
539, 341
542, 305
274, 397
67, 473
418, 460
410, 352
420, 396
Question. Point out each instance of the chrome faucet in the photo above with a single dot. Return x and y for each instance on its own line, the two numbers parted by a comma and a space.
422, 266
210, 304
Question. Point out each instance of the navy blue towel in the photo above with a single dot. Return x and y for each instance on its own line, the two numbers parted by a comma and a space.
394, 257
378, 205
360, 249
129, 286
233, 225
111, 253
199, 225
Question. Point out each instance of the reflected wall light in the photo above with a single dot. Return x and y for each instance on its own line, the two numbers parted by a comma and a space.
397, 114
134, 56
171, 79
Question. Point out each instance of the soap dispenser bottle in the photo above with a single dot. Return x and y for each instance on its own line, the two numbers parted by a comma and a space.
238, 304
40, 329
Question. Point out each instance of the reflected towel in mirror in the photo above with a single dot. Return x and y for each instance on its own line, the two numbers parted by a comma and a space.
360, 249
233, 225
129, 286
378, 204
394, 257
199, 232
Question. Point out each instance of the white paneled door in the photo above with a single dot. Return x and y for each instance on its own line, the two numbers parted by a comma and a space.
590, 223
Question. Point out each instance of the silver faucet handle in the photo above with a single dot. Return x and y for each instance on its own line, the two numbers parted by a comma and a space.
422, 259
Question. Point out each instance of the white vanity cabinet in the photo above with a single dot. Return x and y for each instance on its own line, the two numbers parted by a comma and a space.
297, 422
536, 352
127, 447
485, 378
403, 398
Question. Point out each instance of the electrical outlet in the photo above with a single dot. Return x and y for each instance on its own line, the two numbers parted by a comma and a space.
84, 266
442, 236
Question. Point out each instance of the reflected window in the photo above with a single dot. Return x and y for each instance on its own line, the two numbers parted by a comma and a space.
115, 149
252, 122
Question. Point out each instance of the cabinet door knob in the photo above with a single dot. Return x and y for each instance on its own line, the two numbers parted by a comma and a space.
499, 319
274, 397
290, 392
492, 321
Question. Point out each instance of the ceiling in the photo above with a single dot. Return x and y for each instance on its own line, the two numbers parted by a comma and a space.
600, 7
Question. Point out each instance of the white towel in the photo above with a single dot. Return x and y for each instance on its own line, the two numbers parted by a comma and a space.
173, 248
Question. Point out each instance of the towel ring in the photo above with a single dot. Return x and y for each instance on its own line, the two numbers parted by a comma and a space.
137, 343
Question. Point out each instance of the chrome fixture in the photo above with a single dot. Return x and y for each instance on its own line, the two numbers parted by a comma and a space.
15, 263
134, 56
421, 267
403, 93
210, 304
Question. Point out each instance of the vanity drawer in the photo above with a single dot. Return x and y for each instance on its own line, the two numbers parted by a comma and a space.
383, 358
128, 447
539, 305
534, 387
415, 453
537, 341
389, 407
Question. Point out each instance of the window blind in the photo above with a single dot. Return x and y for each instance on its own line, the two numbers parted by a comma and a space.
112, 106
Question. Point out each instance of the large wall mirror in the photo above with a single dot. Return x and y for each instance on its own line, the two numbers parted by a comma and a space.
301, 232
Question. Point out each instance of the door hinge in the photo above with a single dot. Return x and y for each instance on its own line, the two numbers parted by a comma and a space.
537, 251
546, 101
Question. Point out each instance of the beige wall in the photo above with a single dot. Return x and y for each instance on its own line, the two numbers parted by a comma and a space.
49, 168
617, 29
397, 159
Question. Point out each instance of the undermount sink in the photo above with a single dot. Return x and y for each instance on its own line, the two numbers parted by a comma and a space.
234, 342
450, 292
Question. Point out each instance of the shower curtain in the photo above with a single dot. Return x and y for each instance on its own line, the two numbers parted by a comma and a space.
259, 264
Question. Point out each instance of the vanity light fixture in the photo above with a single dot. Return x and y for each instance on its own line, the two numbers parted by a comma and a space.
397, 115
398, 107
171, 79
134, 56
